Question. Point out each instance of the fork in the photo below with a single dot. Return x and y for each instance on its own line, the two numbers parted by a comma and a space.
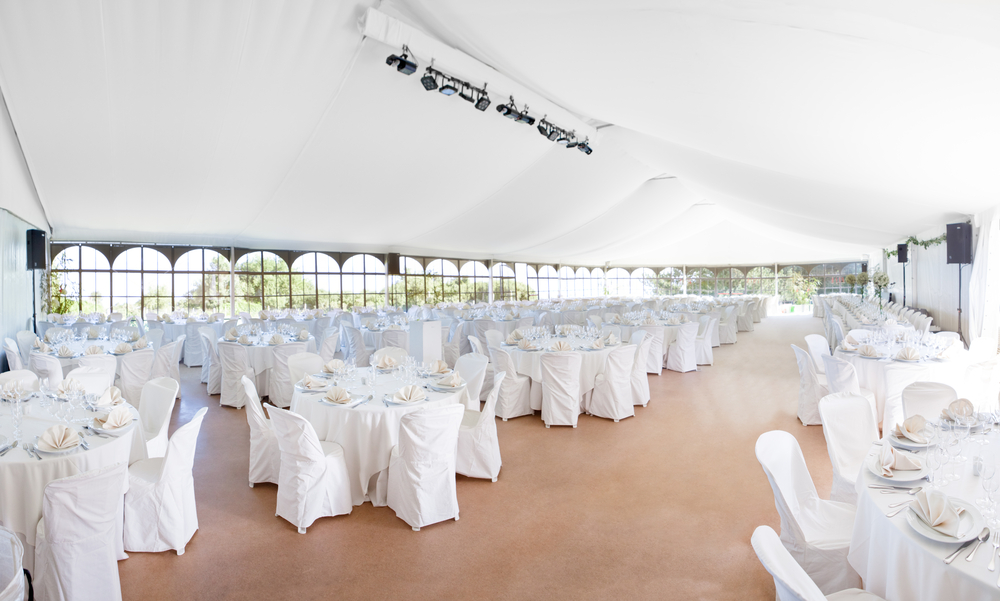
995, 539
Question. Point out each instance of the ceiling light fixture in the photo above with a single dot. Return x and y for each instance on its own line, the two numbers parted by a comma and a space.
402, 62
449, 88
429, 80
483, 102
584, 147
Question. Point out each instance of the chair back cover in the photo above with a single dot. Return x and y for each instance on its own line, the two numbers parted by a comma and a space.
25, 342
794, 492
11, 567
135, 371
46, 366
79, 551
818, 347
279, 382
356, 348
265, 459
28, 379
612, 396
810, 390
561, 388
235, 364
654, 360
681, 355
526, 322
303, 363
477, 347
396, 339
155, 337
331, 344
481, 326
840, 376
928, 399
193, 354
849, 429
790, 580
155, 407
472, 368
494, 338
168, 357
106, 363
14, 360
611, 329
94, 379
515, 392
640, 381
478, 445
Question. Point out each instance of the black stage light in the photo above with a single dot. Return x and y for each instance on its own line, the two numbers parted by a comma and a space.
563, 139
584, 147
543, 129
403, 65
553, 135
483, 103
524, 118
449, 88
466, 94
429, 81
571, 144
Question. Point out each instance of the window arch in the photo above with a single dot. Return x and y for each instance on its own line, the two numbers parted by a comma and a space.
80, 281
442, 282
642, 282
547, 282
618, 282
141, 282
701, 281
407, 289
474, 284
670, 281
567, 282
504, 282
201, 281
584, 287
363, 279
598, 284
760, 280
315, 281
263, 282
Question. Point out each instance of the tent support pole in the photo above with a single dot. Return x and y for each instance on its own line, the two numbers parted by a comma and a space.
232, 282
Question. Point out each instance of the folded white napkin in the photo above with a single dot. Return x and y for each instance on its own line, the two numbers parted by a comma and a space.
599, 343
262, 314
524, 344
891, 459
935, 509
333, 365
561, 345
439, 367
93, 333
65, 351
959, 408
516, 334
674, 321
867, 350
337, 395
81, 320
140, 343
890, 322
44, 348
94, 350
451, 380
49, 335
304, 335
615, 318
119, 417
213, 318
684, 319
165, 317
57, 319
123, 348
649, 321
277, 339
847, 347
232, 334
386, 362
511, 340
851, 340
135, 336
950, 352
244, 339
60, 437
313, 383
611, 339
912, 428
191, 320
409, 394
37, 343
908, 354
509, 316
111, 396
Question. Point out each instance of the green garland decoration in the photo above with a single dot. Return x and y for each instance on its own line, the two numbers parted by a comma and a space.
923, 243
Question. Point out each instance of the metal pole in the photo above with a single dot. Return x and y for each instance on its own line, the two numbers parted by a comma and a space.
232, 282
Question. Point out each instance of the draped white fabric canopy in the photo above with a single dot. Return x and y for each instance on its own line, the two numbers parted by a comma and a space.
723, 132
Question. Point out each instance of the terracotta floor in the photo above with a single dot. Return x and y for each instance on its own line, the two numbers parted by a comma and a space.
660, 506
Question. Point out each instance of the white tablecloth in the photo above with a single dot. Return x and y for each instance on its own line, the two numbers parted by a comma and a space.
504, 327
23, 479
79, 347
529, 363
373, 338
173, 331
898, 564
262, 356
367, 432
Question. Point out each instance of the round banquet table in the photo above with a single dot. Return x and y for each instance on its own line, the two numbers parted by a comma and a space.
669, 335
366, 432
173, 330
373, 338
529, 363
898, 564
888, 378
505, 326
261, 355
79, 346
23, 479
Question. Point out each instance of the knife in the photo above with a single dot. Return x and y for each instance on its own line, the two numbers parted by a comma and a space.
8, 448
952, 557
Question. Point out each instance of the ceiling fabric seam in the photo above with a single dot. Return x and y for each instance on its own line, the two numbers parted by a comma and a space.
107, 84
24, 155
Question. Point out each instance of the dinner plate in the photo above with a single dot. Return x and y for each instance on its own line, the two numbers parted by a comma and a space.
446, 388
301, 388
112, 432
356, 399
391, 400
587, 348
907, 360
117, 354
906, 443
898, 475
440, 373
43, 447
873, 358
970, 523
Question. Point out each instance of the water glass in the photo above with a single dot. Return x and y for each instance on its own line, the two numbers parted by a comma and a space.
17, 417
986, 472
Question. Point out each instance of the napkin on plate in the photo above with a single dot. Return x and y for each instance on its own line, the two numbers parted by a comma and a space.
674, 321
890, 322
867, 350
232, 334
337, 395
244, 339
847, 347
935, 509
65, 351
451, 380
93, 333
851, 340
213, 318
892, 459
165, 317
386, 362
119, 417
304, 335
525, 345
912, 428
123, 348
509, 316
263, 315
516, 335
313, 383
37, 343
60, 437
959, 408
439, 367
333, 365
598, 344
561, 345
135, 336
277, 339
511, 340
649, 321
909, 354
191, 320
94, 350
111, 396
44, 348
140, 343
409, 394
611, 339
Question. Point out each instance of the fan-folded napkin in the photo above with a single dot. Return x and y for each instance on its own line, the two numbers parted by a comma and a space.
65, 351
93, 333
304, 335
60, 437
409, 394
140, 343
119, 417
959, 408
451, 380
94, 350
277, 339
386, 362
867, 350
524, 344
891, 459
111, 396
439, 367
598, 344
909, 354
213, 318
123, 348
912, 428
337, 395
674, 321
611, 339
561, 345
232, 334
333, 366
44, 348
313, 383
244, 339
935, 509
511, 340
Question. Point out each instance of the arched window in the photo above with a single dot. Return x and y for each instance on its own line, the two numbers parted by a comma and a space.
141, 282
80, 281
526, 281
407, 290
442, 282
548, 282
474, 285
618, 282
760, 280
643, 282
598, 285
363, 281
670, 281
263, 282
583, 283
201, 282
701, 281
315, 281
730, 280
567, 282
504, 282
787, 282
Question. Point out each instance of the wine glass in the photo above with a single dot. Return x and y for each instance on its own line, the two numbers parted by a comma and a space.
986, 472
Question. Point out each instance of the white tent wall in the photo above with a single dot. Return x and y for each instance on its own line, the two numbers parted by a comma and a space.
17, 190
15, 278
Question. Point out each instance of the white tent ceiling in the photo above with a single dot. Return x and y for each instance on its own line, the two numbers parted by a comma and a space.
738, 132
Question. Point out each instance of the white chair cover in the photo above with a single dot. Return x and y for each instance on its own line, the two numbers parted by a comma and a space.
160, 509
472, 368
25, 342
841, 377
114, 317
494, 338
397, 353
46, 366
193, 353
12, 587
301, 364
816, 532
849, 430
155, 336
810, 389
682, 353
561, 388
135, 371
167, 362
515, 393
818, 348
356, 348
420, 480
744, 322
313, 481
211, 370
478, 444
479, 349
155, 408
330, 349
94, 379
791, 582
640, 381
279, 382
727, 327
320, 329
703, 341
235, 365
657, 354
265, 457
27, 378
396, 339
928, 399
595, 319
612, 396
105, 363
75, 546
14, 360
453, 350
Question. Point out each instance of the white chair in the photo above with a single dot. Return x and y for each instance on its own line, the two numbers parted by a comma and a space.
818, 348
193, 353
727, 327
235, 364
478, 443
14, 360
160, 509
155, 336
494, 338
928, 399
25, 342
168, 359
595, 320
561, 388
330, 349
607, 329
791, 582
397, 353
816, 532
265, 457
135, 371
396, 339
639, 379
681, 354
303, 363
12, 577
320, 329
703, 340
472, 368
481, 326
810, 389
155, 407
115, 317
356, 348
313, 481
75, 541
744, 321
28, 379
211, 369
279, 383
94, 379
419, 483
849, 430
105, 363
479, 349
453, 350
46, 366
654, 360
841, 377
515, 394
612, 397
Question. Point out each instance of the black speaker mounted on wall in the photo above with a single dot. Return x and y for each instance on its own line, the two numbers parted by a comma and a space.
36, 249
901, 250
959, 243
392, 264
